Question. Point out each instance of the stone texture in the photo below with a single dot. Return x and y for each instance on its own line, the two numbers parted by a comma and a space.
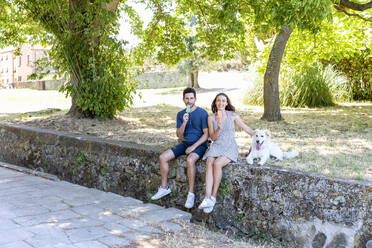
170, 227
338, 241
96, 224
251, 199
369, 244
319, 240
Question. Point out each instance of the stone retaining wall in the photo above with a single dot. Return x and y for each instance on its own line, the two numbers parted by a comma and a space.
39, 85
299, 208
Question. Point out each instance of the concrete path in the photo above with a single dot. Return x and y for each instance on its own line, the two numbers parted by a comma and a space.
36, 212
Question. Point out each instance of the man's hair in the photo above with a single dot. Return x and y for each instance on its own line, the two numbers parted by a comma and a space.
189, 90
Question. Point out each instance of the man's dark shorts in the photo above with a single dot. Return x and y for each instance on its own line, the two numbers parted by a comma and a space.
180, 149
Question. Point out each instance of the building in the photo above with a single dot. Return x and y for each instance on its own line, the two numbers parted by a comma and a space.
15, 68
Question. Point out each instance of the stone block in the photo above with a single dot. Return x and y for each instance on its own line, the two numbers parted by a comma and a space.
338, 241
319, 240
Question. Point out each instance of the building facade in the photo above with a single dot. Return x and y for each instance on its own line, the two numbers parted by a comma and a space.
15, 68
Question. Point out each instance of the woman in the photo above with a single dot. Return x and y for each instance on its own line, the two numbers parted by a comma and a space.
223, 150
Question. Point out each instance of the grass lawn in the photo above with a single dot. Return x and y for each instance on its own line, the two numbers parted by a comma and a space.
334, 141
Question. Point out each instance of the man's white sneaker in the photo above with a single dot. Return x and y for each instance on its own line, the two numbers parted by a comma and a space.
190, 200
210, 209
207, 203
161, 192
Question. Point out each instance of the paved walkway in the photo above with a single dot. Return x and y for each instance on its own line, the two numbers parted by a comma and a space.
36, 212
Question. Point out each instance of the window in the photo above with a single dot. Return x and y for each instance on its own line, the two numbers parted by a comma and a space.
7, 69
1, 58
6, 58
19, 78
19, 62
28, 59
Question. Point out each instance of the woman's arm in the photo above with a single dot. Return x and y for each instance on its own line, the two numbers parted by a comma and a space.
241, 124
213, 134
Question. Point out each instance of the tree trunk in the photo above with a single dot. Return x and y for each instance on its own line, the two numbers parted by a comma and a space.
196, 79
191, 80
271, 78
75, 110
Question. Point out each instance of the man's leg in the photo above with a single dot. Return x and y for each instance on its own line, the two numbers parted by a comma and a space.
164, 190
164, 159
191, 169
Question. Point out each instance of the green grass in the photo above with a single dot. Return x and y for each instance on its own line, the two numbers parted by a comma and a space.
30, 115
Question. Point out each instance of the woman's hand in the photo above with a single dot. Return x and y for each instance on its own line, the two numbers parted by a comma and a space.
219, 118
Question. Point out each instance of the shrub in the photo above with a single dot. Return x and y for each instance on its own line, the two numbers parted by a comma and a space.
358, 69
156, 80
307, 88
338, 84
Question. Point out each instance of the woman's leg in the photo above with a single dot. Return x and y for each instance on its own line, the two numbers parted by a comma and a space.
209, 177
219, 163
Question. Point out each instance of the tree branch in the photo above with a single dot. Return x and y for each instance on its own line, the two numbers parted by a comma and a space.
342, 9
355, 6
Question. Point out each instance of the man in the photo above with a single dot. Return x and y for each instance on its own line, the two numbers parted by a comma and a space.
192, 130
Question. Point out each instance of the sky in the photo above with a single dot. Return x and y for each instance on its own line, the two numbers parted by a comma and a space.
124, 33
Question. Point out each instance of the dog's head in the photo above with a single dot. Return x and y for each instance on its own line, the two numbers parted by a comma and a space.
259, 138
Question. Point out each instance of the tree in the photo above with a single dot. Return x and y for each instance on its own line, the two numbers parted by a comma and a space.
306, 15
84, 49
175, 34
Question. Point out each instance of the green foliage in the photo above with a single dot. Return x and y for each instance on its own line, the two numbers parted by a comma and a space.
338, 84
343, 43
225, 187
308, 88
155, 80
81, 158
152, 189
358, 69
45, 164
240, 216
104, 169
254, 95
74, 172
85, 51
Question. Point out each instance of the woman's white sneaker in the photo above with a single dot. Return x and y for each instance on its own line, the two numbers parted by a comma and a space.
208, 210
207, 203
161, 192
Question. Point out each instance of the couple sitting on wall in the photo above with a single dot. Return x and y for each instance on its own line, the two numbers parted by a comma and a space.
194, 126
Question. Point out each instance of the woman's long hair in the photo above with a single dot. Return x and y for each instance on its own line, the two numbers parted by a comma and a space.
229, 106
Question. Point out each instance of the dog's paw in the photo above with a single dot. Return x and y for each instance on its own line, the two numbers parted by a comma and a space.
262, 161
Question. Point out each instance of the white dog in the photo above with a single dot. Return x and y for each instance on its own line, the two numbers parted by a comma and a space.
263, 148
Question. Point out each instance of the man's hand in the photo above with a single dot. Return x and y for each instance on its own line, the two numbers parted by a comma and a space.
185, 117
190, 149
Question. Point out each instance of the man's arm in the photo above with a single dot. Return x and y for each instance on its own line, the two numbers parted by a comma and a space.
180, 131
200, 141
